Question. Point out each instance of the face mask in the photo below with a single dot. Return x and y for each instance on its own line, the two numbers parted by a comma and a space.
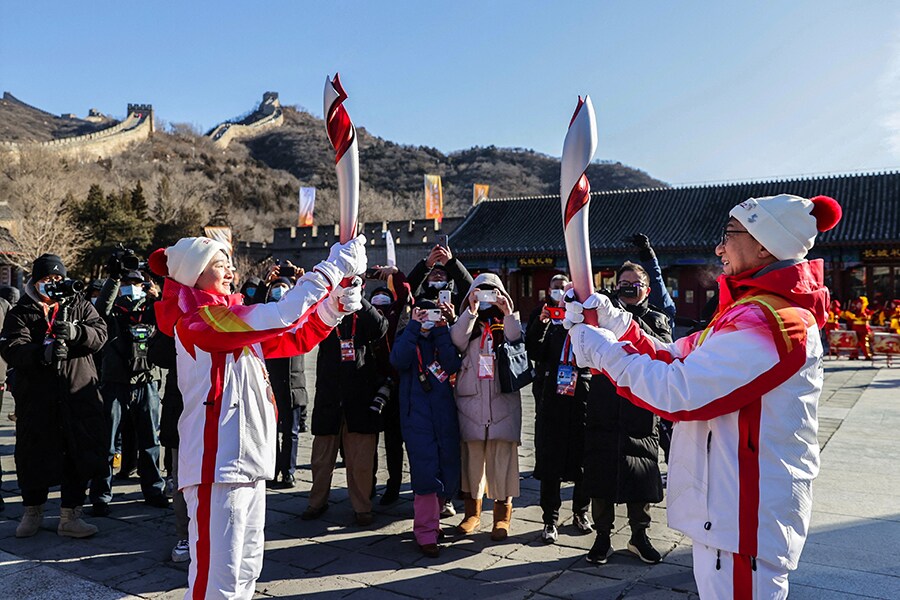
94, 300
381, 300
557, 295
437, 285
485, 305
276, 293
136, 292
251, 292
627, 292
427, 325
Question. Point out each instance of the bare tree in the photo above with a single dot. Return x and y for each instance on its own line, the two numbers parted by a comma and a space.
39, 207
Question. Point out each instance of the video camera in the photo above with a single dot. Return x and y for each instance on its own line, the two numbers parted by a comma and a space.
124, 259
58, 290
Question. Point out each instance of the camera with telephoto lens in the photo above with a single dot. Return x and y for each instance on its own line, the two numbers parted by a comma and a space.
66, 288
381, 397
126, 260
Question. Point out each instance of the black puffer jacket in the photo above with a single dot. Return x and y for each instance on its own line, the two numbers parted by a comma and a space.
288, 380
559, 419
344, 389
621, 450
162, 355
58, 412
121, 314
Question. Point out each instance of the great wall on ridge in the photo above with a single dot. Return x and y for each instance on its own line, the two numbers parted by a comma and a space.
137, 126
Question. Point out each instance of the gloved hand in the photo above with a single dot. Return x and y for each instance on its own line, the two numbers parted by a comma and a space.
608, 316
66, 331
55, 352
344, 260
589, 344
642, 242
341, 301
350, 258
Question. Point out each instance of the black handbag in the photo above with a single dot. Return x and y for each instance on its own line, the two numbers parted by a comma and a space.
513, 367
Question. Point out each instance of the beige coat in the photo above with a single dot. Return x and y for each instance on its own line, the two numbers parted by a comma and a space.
485, 413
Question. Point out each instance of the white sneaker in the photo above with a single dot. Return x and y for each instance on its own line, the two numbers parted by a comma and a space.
550, 534
448, 510
181, 552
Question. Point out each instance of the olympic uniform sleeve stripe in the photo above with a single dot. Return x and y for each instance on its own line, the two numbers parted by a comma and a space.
688, 389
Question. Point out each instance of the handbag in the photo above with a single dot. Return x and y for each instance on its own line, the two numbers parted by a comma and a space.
513, 367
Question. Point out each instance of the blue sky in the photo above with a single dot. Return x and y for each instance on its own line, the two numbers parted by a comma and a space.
688, 91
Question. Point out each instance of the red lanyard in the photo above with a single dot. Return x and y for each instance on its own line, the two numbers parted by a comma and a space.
485, 334
52, 318
419, 356
352, 329
568, 355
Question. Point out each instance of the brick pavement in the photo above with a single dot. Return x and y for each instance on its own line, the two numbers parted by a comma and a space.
331, 558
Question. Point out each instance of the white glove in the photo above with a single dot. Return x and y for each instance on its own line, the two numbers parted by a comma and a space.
341, 301
350, 258
590, 344
608, 316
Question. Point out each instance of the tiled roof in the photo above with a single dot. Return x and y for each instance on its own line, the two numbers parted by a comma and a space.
685, 219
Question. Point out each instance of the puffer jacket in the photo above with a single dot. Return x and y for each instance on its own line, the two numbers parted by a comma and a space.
485, 413
428, 420
744, 394
228, 427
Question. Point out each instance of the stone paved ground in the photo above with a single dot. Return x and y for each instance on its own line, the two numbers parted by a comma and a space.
855, 519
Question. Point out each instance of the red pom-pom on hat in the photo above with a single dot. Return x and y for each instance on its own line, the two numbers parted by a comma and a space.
158, 263
827, 212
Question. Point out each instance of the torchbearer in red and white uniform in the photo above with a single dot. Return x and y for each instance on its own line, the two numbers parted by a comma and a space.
743, 395
229, 423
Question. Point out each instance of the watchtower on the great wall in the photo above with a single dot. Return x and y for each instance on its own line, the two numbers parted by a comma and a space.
142, 110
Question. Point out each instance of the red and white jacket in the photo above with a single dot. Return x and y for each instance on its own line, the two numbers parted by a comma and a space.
228, 428
744, 395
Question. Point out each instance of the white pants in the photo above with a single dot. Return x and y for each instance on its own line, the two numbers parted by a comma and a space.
227, 538
736, 578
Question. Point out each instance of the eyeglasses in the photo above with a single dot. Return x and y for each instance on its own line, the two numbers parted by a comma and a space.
634, 284
728, 232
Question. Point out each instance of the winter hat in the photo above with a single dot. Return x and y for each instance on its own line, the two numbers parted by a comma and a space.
47, 264
185, 261
787, 225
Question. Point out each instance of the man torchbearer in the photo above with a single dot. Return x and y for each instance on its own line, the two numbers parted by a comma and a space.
743, 394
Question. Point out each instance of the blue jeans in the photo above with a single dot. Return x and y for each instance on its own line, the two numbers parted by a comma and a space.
136, 406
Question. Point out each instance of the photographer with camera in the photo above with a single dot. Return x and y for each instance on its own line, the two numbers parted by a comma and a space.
560, 395
347, 412
129, 380
288, 379
61, 437
440, 270
425, 357
393, 300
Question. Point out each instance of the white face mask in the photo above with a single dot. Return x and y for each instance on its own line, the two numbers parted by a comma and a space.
276, 293
557, 295
380, 300
136, 292
437, 285
427, 325
485, 305
94, 300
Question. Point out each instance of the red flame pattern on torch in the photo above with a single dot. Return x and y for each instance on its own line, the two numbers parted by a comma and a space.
581, 193
337, 122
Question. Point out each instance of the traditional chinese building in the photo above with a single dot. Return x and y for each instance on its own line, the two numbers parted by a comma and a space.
521, 238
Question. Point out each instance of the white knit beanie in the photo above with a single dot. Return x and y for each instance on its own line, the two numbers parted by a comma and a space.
186, 260
787, 225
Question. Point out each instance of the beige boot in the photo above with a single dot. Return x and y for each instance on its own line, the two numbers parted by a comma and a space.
473, 516
502, 517
31, 521
71, 524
